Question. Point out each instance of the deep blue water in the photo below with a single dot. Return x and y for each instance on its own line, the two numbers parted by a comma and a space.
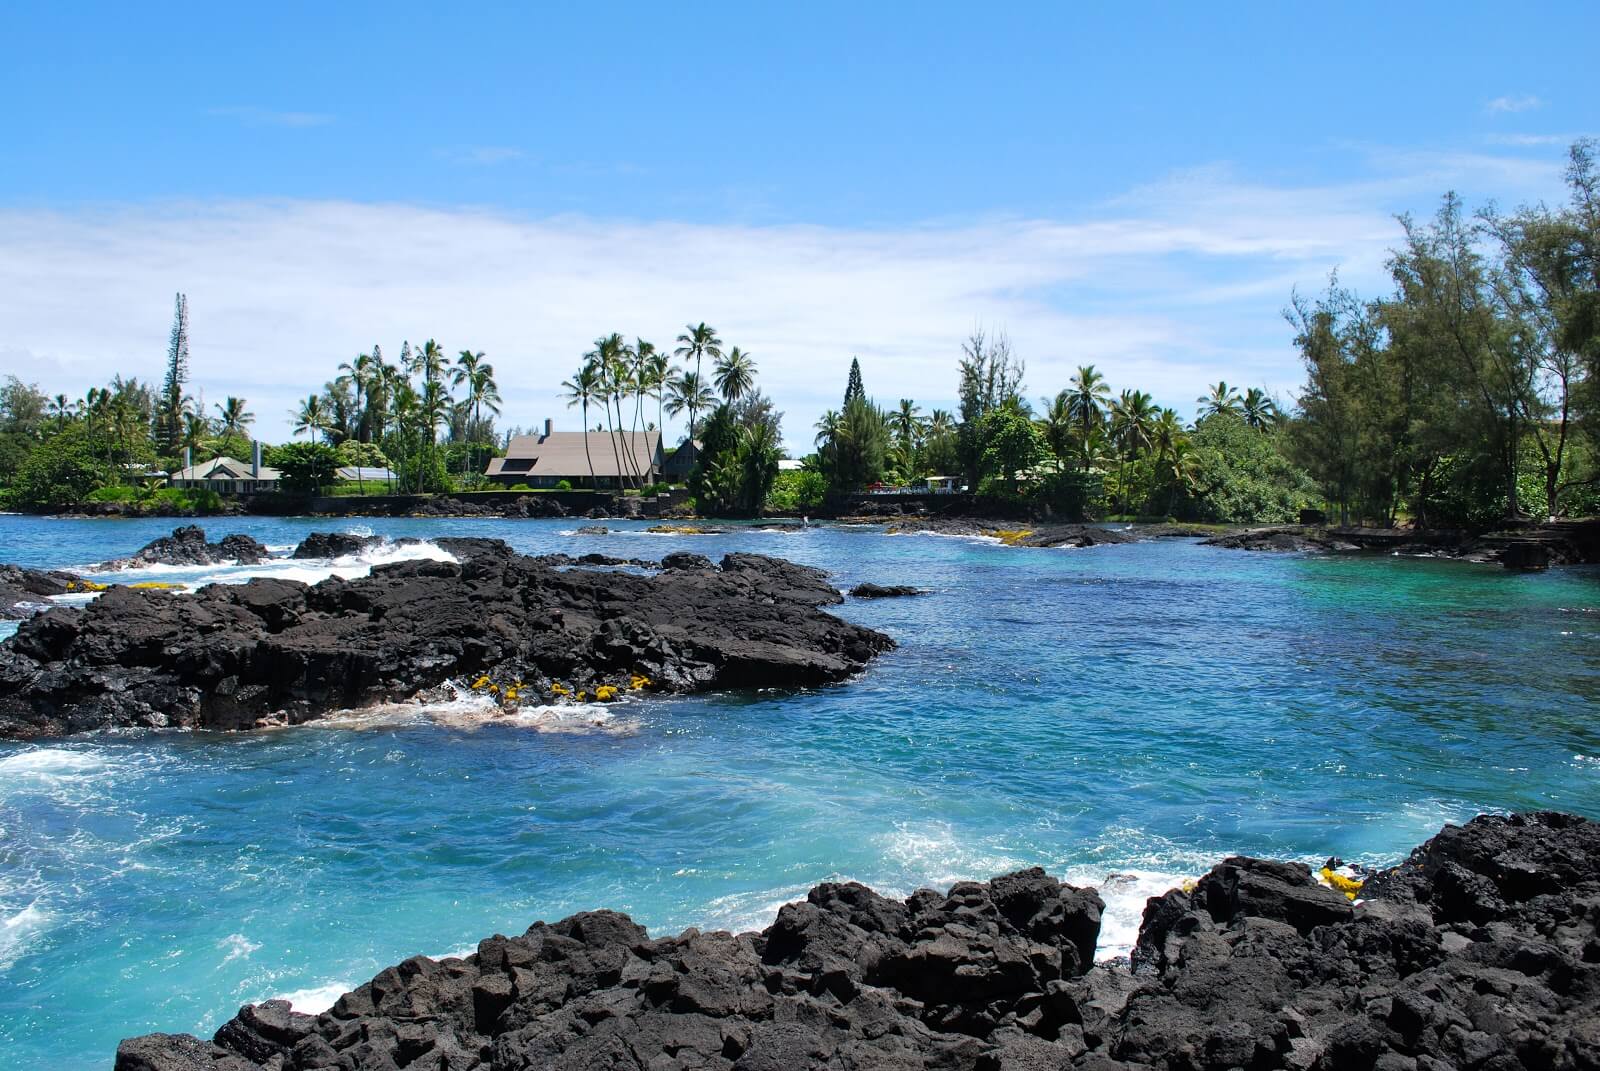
1132, 710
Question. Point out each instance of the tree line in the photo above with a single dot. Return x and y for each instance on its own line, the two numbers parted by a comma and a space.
1467, 394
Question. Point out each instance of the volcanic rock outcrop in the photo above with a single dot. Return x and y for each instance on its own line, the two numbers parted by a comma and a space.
230, 656
188, 546
1479, 952
24, 592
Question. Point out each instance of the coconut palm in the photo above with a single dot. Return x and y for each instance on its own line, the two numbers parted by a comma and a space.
1180, 467
1057, 426
582, 389
698, 341
60, 408
1132, 422
311, 417
1259, 410
232, 416
1222, 399
735, 374
610, 364
435, 404
907, 424
1087, 396
195, 431
686, 391
428, 362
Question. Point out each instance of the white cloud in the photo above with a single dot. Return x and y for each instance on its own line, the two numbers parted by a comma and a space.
1167, 288
1534, 140
1525, 102
253, 116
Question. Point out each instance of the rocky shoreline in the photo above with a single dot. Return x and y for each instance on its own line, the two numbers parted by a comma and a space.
1482, 950
512, 627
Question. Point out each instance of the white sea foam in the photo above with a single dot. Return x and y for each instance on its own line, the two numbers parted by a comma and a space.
52, 763
18, 930
471, 711
237, 946
280, 566
1125, 893
316, 999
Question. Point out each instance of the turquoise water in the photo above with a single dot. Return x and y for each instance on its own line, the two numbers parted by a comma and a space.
1132, 710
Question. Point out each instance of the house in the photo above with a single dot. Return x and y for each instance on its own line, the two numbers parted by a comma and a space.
681, 462
616, 459
226, 476
791, 464
362, 474
944, 485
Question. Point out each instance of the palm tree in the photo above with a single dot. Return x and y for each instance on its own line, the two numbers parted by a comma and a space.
428, 362
1259, 411
581, 389
687, 392
1057, 426
1181, 467
311, 417
195, 431
735, 374
1087, 397
1222, 399
610, 373
698, 341
907, 424
1132, 421
62, 410
659, 371
434, 405
232, 417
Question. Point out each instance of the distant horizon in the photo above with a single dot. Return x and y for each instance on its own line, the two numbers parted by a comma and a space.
1106, 188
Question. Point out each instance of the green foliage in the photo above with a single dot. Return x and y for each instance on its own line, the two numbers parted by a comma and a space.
853, 446
61, 471
737, 466
1012, 445
116, 493
525, 487
796, 492
651, 490
561, 485
367, 455
306, 467
1242, 476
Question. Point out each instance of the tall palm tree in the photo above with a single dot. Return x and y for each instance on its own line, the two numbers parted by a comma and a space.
1222, 399
1181, 468
62, 410
698, 341
195, 431
435, 404
1087, 397
232, 416
735, 374
908, 424
687, 392
311, 417
659, 371
1259, 411
581, 389
1132, 421
609, 363
428, 362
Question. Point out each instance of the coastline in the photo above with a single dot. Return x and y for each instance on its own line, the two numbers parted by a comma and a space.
1477, 950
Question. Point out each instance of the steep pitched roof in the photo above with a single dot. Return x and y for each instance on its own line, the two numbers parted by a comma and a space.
561, 454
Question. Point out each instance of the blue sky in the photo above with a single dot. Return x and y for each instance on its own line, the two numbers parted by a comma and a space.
1137, 188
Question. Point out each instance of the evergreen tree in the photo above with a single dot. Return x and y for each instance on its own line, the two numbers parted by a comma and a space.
171, 423
853, 390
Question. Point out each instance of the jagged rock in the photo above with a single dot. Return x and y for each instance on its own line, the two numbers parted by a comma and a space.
334, 544
229, 656
24, 592
885, 591
188, 546
1258, 967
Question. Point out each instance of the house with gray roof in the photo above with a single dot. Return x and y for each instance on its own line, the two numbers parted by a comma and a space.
226, 476
617, 460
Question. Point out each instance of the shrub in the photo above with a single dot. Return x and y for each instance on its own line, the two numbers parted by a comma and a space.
59, 472
520, 487
564, 485
794, 492
653, 489
115, 493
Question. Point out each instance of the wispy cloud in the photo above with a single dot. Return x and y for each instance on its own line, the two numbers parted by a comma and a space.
481, 155
1525, 102
1534, 140
253, 116
1167, 288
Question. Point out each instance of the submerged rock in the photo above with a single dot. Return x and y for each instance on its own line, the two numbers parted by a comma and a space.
229, 656
188, 546
885, 591
1481, 951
